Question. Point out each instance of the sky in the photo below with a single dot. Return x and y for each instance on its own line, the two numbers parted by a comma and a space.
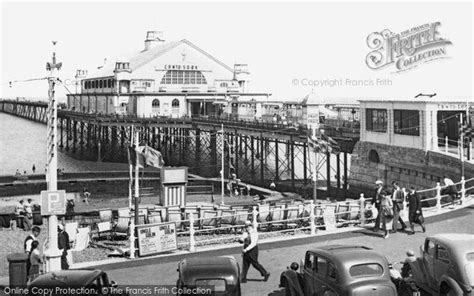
292, 48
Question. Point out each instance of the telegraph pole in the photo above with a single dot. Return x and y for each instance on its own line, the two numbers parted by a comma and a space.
53, 255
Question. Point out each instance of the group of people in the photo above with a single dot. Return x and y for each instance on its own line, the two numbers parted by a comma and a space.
390, 204
24, 214
18, 173
35, 260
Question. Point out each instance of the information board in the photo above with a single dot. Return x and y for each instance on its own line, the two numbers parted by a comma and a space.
156, 238
53, 202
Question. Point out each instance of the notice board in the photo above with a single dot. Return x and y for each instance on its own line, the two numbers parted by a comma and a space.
156, 238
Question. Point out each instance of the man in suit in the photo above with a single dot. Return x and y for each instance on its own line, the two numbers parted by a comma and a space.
415, 213
397, 198
63, 245
377, 202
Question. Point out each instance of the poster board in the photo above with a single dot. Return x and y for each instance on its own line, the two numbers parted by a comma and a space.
156, 238
329, 217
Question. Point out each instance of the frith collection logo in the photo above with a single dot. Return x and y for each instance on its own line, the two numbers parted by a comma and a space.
407, 49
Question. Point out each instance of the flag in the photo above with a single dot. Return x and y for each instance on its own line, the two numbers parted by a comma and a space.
132, 157
332, 144
324, 144
151, 156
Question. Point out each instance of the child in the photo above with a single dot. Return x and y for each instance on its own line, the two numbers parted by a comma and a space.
35, 260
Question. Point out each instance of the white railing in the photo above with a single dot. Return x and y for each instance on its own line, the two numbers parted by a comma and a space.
305, 218
453, 148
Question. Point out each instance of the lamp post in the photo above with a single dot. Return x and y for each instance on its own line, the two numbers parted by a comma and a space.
52, 254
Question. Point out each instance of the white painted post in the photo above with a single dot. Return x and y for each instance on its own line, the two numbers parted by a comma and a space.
438, 196
254, 217
312, 217
446, 145
362, 209
132, 236
463, 190
192, 242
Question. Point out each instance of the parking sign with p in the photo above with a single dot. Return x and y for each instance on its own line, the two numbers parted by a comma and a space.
53, 202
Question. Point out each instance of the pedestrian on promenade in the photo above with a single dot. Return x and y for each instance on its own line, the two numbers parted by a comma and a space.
415, 214
28, 208
33, 168
450, 189
397, 198
86, 194
250, 252
35, 261
27, 244
376, 201
20, 214
386, 214
63, 246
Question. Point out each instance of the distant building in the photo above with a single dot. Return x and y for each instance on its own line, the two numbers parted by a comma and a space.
170, 79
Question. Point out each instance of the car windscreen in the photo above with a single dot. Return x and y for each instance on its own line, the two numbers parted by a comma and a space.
216, 285
470, 268
366, 270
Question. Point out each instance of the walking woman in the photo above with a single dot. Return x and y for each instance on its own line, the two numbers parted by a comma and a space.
386, 214
35, 260
415, 214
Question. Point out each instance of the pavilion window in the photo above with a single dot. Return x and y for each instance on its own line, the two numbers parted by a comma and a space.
406, 122
183, 77
376, 120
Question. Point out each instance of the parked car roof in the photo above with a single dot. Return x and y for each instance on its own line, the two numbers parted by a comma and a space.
208, 267
66, 278
462, 242
350, 254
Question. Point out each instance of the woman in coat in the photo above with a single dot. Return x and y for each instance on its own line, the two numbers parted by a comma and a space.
415, 214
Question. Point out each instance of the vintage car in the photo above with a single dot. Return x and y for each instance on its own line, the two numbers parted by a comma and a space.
342, 270
198, 274
446, 265
74, 281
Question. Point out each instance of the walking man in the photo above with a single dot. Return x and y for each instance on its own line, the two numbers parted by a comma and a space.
415, 215
63, 245
397, 198
377, 201
250, 252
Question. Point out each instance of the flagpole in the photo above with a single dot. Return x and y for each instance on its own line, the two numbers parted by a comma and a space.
130, 180
315, 175
222, 168
462, 146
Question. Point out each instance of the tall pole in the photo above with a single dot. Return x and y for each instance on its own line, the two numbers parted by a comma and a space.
462, 145
130, 183
315, 175
52, 254
222, 166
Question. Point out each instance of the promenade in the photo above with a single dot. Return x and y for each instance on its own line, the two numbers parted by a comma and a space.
277, 255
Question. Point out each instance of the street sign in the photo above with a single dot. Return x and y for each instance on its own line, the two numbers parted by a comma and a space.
156, 238
53, 202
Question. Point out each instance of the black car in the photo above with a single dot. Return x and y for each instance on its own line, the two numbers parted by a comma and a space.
74, 282
199, 275
340, 270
